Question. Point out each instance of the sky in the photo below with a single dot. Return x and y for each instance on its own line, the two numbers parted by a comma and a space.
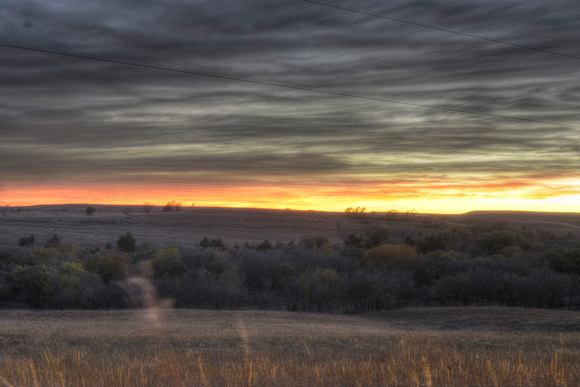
306, 106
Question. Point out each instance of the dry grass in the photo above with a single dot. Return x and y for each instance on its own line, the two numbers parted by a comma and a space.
438, 347
163, 229
233, 225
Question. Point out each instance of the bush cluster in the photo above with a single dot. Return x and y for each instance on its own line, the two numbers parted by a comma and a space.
377, 269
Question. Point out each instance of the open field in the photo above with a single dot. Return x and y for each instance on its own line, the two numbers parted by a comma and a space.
233, 225
411, 347
533, 261
185, 227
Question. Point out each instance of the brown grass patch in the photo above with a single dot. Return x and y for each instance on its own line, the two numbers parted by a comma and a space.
398, 348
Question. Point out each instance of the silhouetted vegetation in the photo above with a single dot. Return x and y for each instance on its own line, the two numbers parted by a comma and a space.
90, 210
26, 241
356, 213
378, 268
172, 206
127, 242
214, 243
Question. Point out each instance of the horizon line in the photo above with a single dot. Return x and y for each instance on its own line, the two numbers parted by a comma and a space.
289, 209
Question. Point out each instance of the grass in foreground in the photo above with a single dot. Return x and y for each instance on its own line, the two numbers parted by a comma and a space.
438, 347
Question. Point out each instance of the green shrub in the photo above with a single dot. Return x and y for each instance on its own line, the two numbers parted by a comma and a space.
36, 284
127, 243
167, 262
111, 266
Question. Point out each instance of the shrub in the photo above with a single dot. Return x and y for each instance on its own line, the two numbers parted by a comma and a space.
127, 242
454, 288
26, 241
264, 246
563, 260
215, 243
53, 242
372, 236
36, 284
320, 289
7, 287
368, 290
172, 206
376, 235
90, 210
167, 262
355, 212
111, 266
393, 215
313, 242
391, 255
147, 208
68, 289
432, 243
354, 240
327, 248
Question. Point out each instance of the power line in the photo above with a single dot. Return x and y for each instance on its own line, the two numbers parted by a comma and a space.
444, 30
292, 87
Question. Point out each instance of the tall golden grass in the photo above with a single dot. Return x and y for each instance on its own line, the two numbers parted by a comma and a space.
203, 348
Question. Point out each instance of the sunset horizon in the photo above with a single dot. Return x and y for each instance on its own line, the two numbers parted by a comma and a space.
227, 200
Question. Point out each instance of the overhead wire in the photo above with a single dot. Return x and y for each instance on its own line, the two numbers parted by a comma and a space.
444, 30
280, 85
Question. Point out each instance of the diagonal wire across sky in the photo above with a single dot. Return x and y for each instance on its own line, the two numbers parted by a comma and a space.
274, 84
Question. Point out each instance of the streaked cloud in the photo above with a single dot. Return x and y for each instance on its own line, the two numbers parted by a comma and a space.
72, 122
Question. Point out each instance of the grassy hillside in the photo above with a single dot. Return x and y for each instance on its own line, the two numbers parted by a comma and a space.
234, 225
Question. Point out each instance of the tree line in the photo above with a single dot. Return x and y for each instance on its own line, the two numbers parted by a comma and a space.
372, 270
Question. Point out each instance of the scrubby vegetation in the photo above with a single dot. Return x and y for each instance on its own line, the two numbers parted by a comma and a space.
378, 268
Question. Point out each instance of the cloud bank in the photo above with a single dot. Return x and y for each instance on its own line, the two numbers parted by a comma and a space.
76, 123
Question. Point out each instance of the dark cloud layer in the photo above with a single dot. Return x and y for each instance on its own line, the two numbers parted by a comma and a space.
61, 117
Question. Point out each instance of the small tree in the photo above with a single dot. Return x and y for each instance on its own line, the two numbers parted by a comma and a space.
90, 210
127, 242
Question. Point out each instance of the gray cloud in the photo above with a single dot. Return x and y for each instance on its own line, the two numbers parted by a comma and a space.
61, 117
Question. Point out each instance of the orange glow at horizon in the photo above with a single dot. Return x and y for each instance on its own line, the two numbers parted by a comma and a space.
431, 197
